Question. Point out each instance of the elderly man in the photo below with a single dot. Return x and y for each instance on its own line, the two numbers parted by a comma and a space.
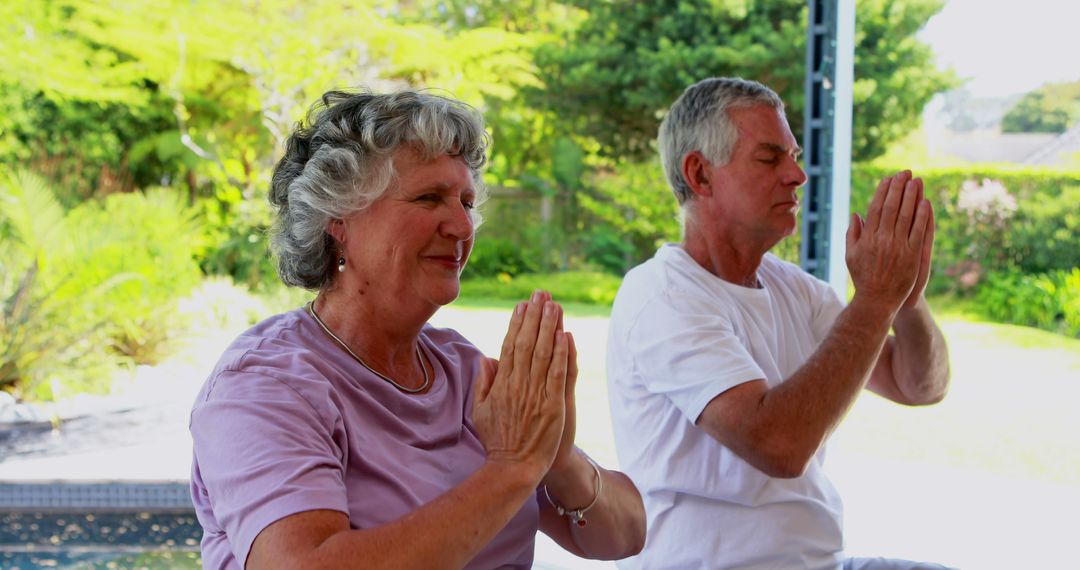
728, 368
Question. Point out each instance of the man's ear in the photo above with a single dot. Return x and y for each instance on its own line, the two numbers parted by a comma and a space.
695, 170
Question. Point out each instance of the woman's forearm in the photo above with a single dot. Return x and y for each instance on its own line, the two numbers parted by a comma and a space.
445, 533
614, 526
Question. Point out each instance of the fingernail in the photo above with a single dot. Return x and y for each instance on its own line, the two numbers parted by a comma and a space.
518, 309
549, 308
535, 296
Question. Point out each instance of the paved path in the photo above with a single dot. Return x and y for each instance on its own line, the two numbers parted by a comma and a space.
966, 518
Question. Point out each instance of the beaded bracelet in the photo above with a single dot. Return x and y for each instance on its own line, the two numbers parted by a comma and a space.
578, 515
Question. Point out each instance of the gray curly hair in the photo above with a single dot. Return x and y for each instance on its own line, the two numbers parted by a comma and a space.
340, 160
699, 120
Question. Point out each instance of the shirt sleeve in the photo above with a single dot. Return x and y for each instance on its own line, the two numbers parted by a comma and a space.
264, 452
826, 306
687, 350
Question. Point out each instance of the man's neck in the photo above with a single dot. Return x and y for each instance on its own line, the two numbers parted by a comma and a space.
727, 259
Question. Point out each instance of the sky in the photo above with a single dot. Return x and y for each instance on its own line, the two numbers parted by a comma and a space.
1007, 47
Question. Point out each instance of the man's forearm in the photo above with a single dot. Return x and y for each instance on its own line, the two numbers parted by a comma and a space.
920, 363
830, 381
795, 417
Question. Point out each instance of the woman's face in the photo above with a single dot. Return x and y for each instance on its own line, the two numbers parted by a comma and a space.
413, 242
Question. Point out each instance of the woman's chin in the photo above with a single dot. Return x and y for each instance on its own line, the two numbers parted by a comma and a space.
446, 295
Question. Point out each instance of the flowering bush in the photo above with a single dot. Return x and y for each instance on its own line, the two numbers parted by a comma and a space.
988, 202
992, 220
986, 207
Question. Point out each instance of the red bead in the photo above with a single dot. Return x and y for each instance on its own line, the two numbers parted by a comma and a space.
581, 522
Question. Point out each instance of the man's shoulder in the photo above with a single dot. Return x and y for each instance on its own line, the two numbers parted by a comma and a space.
654, 279
670, 269
782, 269
662, 291
787, 278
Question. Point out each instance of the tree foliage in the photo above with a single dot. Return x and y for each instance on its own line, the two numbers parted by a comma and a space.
108, 95
1051, 108
613, 77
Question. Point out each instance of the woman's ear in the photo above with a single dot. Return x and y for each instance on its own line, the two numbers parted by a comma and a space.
695, 170
336, 229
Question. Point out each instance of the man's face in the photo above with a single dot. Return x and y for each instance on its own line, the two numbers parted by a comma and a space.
754, 195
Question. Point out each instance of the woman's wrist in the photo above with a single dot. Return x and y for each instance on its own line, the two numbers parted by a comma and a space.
577, 514
574, 484
517, 472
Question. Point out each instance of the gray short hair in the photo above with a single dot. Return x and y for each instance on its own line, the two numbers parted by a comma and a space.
699, 121
340, 160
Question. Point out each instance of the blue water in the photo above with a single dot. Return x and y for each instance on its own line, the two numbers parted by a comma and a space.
105, 540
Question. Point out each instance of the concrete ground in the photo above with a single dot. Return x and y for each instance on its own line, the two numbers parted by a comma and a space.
903, 508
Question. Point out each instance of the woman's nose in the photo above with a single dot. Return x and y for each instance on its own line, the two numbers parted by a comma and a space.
458, 223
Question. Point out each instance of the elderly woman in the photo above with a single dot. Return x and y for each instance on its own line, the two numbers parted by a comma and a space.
352, 433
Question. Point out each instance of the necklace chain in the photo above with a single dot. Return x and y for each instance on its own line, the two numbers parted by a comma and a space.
419, 358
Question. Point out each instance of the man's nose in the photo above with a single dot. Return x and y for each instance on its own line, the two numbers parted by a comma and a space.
795, 175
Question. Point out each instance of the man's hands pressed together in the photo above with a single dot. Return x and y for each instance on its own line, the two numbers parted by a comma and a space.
888, 255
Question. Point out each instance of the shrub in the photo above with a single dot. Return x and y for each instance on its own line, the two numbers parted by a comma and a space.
492, 256
593, 288
46, 345
151, 238
608, 250
1045, 234
234, 243
1049, 301
983, 233
51, 336
87, 290
631, 213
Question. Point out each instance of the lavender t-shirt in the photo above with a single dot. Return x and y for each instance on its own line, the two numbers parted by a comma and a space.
289, 422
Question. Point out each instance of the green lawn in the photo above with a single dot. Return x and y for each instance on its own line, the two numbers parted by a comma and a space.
571, 309
1011, 408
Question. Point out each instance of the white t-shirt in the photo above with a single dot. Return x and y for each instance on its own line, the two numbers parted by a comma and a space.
679, 337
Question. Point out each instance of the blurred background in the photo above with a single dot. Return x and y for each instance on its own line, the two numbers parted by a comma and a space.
137, 140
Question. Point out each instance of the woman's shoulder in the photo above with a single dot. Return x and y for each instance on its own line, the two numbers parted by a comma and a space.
281, 333
449, 341
275, 350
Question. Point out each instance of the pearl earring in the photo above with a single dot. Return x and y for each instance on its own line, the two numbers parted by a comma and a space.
341, 264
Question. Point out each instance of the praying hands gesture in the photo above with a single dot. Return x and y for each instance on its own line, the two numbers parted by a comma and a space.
889, 258
889, 253
520, 403
524, 412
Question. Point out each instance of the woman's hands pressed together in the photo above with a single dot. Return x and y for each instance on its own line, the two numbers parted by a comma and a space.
520, 407
524, 412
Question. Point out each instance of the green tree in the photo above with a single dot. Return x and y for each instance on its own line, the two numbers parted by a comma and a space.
1051, 108
614, 76
637, 210
204, 94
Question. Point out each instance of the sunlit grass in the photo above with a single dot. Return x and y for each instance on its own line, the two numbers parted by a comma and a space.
1010, 409
570, 308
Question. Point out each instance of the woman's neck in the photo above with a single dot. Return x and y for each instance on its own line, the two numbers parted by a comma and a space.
382, 333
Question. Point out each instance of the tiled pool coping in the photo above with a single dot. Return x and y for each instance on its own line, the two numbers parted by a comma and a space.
76, 495
98, 524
